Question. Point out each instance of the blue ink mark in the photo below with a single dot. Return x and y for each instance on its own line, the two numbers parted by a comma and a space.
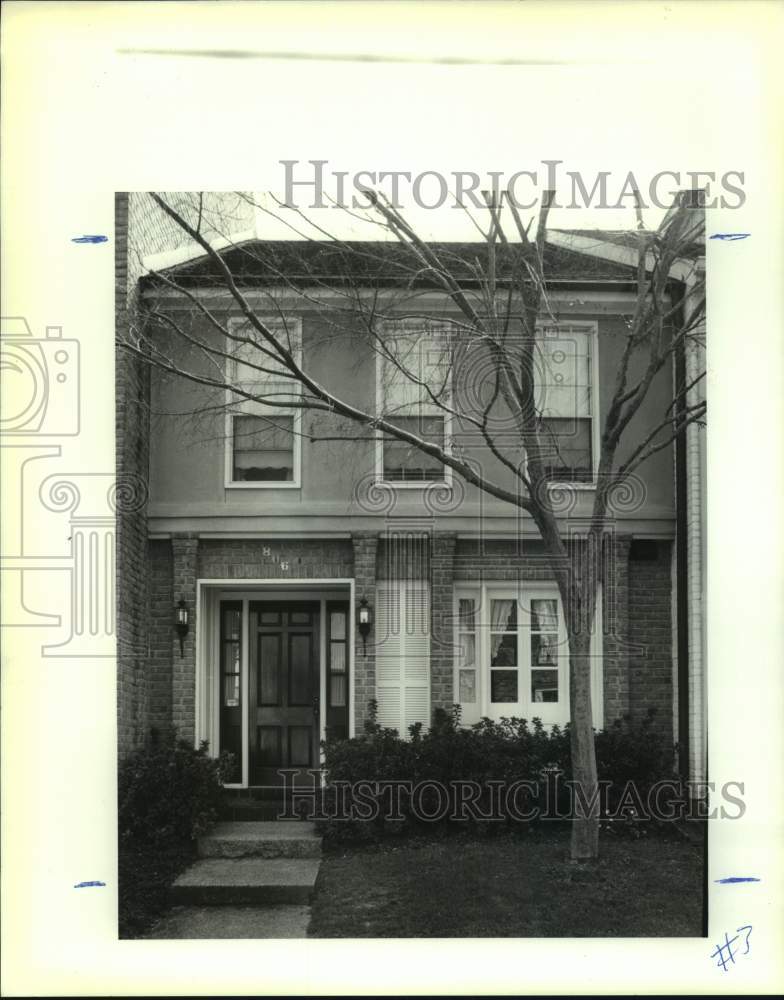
730, 236
736, 878
724, 953
86, 885
90, 239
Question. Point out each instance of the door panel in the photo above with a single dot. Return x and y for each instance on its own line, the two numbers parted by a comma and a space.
269, 660
283, 690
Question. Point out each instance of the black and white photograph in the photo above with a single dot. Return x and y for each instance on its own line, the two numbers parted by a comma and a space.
391, 449
415, 545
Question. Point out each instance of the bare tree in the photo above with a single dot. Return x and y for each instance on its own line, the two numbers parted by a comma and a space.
500, 301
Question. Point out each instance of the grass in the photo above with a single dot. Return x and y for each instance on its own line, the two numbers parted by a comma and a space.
510, 886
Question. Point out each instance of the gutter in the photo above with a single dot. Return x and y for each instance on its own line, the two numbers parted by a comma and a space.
696, 524
682, 574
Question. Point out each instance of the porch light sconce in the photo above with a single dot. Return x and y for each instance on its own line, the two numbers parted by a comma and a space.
364, 621
181, 624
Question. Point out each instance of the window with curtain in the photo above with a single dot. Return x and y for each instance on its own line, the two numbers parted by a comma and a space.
544, 650
414, 370
503, 651
563, 375
263, 449
263, 438
511, 653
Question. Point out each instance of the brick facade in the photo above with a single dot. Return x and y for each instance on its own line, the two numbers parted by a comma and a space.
365, 559
132, 467
185, 554
650, 626
507, 560
161, 614
637, 611
441, 637
278, 559
617, 637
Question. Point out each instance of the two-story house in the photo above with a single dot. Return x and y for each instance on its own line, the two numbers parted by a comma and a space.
287, 568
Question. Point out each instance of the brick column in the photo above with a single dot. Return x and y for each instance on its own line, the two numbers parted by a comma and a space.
132, 388
650, 630
160, 615
615, 601
364, 686
185, 549
442, 558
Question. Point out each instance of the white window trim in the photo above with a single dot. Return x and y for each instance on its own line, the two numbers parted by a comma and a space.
388, 328
590, 326
483, 594
295, 325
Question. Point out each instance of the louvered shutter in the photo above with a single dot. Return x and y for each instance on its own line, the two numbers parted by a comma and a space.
389, 652
402, 654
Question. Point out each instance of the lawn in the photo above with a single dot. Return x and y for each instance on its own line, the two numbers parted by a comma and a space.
510, 886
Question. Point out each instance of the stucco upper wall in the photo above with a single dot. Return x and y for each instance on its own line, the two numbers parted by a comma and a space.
188, 438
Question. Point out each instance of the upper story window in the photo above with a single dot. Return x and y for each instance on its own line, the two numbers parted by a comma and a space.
413, 375
263, 449
263, 439
564, 396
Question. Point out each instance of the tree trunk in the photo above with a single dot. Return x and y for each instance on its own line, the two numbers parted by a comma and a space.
585, 821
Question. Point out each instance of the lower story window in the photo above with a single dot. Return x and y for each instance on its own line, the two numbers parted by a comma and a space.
263, 449
512, 655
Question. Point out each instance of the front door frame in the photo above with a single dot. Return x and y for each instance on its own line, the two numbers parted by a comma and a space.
283, 714
209, 594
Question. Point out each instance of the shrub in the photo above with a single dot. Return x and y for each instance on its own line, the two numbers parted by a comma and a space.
169, 792
508, 751
168, 795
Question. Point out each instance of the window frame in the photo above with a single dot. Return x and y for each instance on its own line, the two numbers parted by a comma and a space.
235, 409
387, 329
524, 706
551, 713
591, 327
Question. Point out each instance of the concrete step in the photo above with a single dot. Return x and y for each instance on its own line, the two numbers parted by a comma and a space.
261, 804
244, 810
264, 839
246, 881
